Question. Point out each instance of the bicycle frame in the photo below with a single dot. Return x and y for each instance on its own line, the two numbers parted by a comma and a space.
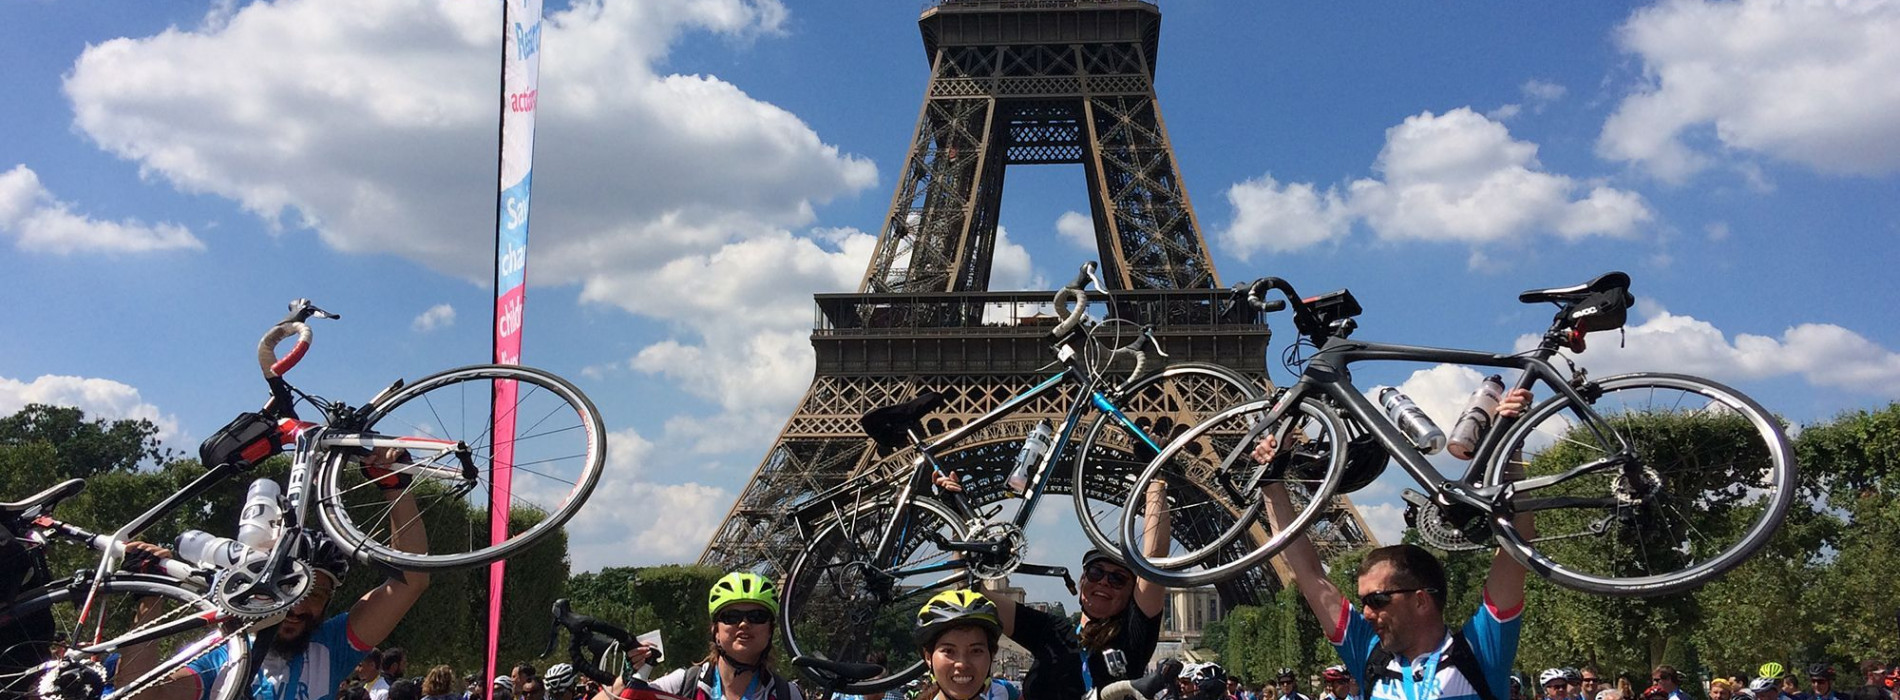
926, 462
1327, 374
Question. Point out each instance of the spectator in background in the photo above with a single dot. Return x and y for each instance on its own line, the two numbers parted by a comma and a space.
439, 684
1721, 689
1669, 680
502, 689
1821, 680
1590, 682
405, 689
1574, 679
1333, 683
395, 664
1875, 676
1554, 685
526, 683
1609, 694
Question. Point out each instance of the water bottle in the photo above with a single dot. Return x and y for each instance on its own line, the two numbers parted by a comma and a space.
1033, 447
205, 549
1480, 410
1417, 426
257, 523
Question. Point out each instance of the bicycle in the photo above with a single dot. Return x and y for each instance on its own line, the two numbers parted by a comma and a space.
443, 453
877, 549
1642, 484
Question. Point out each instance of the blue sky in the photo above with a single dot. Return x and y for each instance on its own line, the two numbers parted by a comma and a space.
173, 173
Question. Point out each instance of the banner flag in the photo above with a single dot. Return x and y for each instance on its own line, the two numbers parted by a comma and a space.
520, 85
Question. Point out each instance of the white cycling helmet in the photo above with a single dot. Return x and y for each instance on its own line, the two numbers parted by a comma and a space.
1551, 674
1764, 688
559, 677
505, 682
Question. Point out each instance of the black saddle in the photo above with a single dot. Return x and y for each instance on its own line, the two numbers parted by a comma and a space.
1607, 282
843, 671
888, 425
48, 498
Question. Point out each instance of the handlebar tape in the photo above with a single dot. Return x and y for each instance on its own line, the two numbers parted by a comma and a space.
1257, 288
267, 359
1071, 317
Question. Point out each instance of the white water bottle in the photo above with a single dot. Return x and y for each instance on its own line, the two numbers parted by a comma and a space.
257, 523
1412, 420
205, 549
1033, 447
1480, 410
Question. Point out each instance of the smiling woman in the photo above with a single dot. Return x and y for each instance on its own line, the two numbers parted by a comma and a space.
1120, 626
743, 606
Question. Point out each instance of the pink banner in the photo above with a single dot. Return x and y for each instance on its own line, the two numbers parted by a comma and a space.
521, 58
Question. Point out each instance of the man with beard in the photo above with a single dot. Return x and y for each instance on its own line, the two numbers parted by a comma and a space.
305, 655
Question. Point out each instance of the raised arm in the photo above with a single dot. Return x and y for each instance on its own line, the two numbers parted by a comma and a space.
376, 614
1005, 608
1150, 596
1504, 586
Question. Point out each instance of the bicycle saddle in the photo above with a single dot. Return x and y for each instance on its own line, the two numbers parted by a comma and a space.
887, 425
842, 670
48, 498
1609, 281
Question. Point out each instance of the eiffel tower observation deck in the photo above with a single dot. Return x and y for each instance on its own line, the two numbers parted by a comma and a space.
1012, 83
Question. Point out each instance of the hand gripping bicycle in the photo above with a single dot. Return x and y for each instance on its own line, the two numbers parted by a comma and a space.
1641, 484
431, 443
878, 547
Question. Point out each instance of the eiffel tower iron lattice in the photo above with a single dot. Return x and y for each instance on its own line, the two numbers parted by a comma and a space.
1013, 82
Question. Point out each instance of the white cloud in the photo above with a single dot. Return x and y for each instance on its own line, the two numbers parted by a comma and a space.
1542, 92
438, 316
632, 521
1078, 229
99, 398
1806, 82
357, 118
1456, 177
1823, 354
42, 223
1385, 520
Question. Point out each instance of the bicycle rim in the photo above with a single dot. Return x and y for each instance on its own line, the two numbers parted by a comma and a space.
1716, 477
552, 464
1220, 527
1164, 405
836, 605
22, 627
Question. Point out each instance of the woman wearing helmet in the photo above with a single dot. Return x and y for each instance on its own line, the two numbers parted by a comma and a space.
957, 633
743, 607
1120, 626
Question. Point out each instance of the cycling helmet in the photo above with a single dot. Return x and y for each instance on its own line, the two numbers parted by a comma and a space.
957, 607
1550, 674
1284, 674
1209, 671
505, 683
324, 555
1572, 675
742, 587
1821, 670
1517, 681
1765, 687
1334, 673
1770, 670
559, 677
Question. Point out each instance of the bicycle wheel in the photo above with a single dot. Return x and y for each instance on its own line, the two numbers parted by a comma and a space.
1162, 405
1220, 529
550, 464
839, 605
30, 668
1712, 477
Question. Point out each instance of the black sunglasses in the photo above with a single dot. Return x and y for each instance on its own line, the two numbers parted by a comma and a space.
757, 616
1096, 574
1379, 599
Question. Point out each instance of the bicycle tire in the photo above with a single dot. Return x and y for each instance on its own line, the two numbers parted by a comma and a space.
1312, 470
1652, 410
1110, 457
345, 497
831, 610
112, 610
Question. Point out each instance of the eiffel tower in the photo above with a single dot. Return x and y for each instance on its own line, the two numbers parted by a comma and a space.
1012, 82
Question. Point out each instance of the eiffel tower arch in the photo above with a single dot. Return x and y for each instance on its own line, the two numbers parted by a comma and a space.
1013, 82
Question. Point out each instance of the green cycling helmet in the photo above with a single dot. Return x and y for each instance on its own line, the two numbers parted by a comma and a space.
1770, 670
742, 587
956, 607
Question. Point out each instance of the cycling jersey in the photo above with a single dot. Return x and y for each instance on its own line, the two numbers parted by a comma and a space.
1491, 633
765, 687
311, 675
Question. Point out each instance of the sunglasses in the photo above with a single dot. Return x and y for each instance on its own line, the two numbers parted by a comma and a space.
1096, 574
1587, 679
757, 616
1379, 599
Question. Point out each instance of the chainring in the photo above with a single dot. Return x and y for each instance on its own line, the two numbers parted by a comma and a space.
69, 679
291, 589
1438, 531
987, 568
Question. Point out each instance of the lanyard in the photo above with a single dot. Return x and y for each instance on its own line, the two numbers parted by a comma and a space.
717, 693
1088, 681
1426, 689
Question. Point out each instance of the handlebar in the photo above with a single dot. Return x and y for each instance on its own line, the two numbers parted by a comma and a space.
293, 324
1072, 318
607, 643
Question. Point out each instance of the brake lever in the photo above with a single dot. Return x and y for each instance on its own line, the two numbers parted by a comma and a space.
1148, 332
